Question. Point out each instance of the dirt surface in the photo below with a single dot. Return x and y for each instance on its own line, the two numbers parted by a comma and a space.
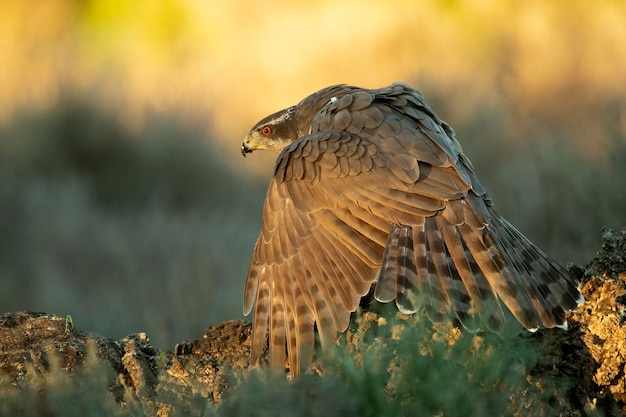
588, 361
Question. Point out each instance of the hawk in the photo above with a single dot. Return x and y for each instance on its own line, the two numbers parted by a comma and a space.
371, 186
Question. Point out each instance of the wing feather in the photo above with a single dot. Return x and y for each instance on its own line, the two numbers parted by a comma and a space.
379, 189
278, 330
322, 274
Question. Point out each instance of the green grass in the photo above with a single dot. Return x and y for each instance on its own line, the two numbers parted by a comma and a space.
407, 368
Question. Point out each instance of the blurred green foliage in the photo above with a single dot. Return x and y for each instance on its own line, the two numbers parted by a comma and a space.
83, 392
147, 231
405, 367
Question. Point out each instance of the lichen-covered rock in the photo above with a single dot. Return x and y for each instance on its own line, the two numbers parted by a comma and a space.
611, 258
603, 329
41, 352
206, 368
602, 318
33, 342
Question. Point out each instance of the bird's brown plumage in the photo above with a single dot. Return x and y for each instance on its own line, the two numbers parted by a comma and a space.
370, 185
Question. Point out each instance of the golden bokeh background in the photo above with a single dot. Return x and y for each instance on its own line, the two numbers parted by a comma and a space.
535, 89
234, 61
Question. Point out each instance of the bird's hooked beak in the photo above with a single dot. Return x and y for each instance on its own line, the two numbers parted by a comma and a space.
245, 146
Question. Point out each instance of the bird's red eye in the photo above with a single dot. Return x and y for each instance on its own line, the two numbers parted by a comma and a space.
266, 130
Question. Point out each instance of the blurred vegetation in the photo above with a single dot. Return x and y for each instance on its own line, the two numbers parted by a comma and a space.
407, 368
127, 232
124, 200
416, 371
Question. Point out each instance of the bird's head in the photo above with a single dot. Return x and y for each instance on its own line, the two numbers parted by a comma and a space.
273, 133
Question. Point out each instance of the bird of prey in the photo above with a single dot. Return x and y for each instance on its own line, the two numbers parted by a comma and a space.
371, 186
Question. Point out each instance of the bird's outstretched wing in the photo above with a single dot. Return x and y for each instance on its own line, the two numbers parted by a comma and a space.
380, 189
